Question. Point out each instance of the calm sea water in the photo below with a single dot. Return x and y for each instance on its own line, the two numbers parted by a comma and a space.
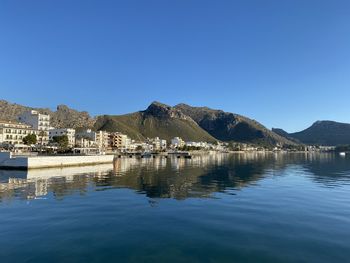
214, 208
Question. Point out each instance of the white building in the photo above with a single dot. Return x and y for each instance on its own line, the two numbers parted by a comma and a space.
39, 122
100, 138
203, 145
177, 142
82, 142
63, 131
14, 132
158, 144
143, 146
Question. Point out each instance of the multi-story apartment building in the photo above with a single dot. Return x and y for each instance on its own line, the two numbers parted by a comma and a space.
118, 140
100, 138
39, 122
14, 132
63, 131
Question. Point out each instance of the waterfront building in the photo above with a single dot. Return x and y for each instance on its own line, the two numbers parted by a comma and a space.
194, 144
39, 122
157, 144
100, 139
177, 142
87, 134
82, 142
63, 131
143, 146
119, 141
14, 132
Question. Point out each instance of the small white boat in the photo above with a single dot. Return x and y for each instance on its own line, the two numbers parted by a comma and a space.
342, 153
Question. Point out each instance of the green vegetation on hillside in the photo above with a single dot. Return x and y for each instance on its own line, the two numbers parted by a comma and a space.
141, 125
227, 126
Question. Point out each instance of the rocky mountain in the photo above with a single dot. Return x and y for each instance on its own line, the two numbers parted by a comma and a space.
158, 120
323, 133
61, 118
285, 134
66, 117
190, 123
227, 126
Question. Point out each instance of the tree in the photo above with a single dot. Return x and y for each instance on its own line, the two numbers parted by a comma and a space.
29, 139
62, 141
139, 148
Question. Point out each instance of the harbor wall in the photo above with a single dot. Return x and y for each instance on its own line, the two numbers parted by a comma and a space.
9, 161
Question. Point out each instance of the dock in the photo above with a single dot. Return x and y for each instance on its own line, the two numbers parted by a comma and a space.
9, 161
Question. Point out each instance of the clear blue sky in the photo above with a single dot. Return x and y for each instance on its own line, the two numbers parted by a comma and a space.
284, 63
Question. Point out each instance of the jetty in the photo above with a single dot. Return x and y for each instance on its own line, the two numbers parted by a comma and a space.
10, 161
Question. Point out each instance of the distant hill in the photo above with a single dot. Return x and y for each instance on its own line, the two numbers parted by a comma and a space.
63, 117
227, 126
285, 134
324, 133
158, 120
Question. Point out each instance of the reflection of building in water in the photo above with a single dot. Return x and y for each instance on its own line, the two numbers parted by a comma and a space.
38, 182
172, 177
41, 187
200, 160
123, 165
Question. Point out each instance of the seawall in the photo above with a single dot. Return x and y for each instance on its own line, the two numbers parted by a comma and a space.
7, 161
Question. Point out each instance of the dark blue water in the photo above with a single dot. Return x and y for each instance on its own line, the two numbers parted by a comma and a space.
219, 208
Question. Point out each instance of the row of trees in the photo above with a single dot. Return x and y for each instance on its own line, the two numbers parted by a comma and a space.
189, 148
61, 141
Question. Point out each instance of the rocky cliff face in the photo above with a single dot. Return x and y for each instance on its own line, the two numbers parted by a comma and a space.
66, 117
63, 117
161, 110
228, 126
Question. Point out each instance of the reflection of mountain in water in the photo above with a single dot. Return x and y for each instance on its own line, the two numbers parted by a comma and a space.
195, 178
327, 169
171, 178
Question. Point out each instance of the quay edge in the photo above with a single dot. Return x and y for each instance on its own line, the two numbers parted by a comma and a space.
8, 161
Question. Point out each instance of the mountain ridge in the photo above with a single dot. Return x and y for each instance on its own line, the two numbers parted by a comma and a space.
227, 126
191, 123
158, 120
324, 132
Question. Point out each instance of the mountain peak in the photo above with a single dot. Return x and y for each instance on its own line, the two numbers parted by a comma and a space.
159, 104
161, 110
62, 107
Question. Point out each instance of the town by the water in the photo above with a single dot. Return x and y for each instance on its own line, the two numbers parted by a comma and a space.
31, 142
